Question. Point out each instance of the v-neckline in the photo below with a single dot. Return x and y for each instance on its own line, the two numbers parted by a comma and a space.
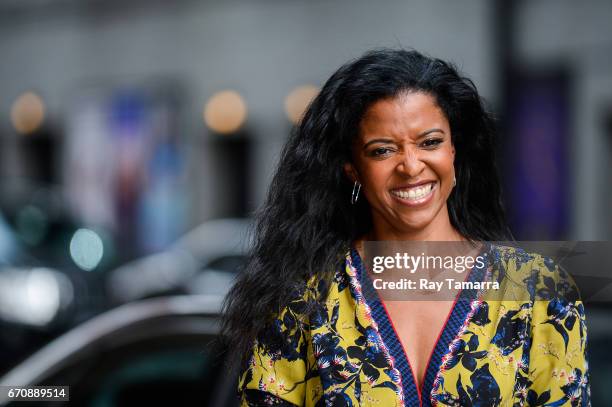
457, 316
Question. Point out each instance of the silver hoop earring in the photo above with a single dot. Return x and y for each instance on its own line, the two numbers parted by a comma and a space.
454, 181
355, 194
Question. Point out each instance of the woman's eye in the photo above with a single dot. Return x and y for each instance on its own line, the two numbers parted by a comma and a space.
432, 142
380, 151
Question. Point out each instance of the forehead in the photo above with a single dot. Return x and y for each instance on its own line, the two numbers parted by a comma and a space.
407, 114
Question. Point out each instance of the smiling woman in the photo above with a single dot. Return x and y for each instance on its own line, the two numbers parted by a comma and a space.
403, 157
397, 146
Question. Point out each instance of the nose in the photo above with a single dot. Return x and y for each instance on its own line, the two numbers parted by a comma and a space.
411, 164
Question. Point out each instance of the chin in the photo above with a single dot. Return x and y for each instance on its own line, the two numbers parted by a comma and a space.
415, 226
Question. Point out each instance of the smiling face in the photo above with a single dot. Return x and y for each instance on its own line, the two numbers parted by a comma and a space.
403, 157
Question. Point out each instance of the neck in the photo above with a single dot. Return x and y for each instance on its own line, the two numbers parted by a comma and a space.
440, 229
449, 235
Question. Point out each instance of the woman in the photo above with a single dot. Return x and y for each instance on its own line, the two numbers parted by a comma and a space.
397, 146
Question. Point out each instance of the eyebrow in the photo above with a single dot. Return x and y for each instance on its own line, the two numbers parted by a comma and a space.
388, 140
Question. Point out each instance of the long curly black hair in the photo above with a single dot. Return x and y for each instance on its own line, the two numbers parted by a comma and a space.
307, 222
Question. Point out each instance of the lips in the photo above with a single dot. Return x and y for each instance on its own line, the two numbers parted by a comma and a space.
415, 193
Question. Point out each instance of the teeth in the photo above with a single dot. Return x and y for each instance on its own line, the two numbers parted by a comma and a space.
414, 193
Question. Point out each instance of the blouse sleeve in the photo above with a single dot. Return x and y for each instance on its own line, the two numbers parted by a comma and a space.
276, 370
558, 365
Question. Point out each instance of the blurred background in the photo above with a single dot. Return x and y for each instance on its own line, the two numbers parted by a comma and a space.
137, 138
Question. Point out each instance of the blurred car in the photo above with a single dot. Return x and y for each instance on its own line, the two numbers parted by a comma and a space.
50, 279
158, 345
38, 302
203, 261
158, 351
38, 298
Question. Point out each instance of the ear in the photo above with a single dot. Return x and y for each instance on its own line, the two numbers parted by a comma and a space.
351, 172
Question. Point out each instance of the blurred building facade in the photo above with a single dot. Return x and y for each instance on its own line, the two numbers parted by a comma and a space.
162, 62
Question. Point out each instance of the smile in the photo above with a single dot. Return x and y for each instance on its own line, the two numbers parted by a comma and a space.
415, 195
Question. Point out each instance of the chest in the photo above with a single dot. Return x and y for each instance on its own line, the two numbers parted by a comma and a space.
418, 325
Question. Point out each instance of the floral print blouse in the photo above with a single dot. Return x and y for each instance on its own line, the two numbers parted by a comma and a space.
489, 353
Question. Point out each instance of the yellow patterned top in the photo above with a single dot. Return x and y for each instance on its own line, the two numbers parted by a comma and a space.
527, 351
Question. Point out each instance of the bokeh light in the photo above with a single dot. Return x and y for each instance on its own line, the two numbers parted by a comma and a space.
27, 113
86, 249
33, 296
225, 112
32, 224
43, 296
298, 100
